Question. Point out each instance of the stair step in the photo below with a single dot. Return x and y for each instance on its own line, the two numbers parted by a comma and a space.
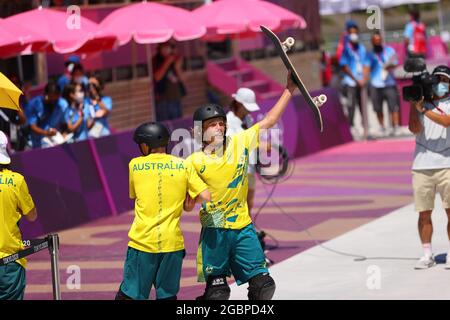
254, 83
234, 73
227, 63
257, 85
270, 94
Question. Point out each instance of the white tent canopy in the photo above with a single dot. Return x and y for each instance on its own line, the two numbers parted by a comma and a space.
328, 7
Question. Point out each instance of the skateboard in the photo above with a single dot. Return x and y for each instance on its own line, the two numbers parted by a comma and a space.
282, 48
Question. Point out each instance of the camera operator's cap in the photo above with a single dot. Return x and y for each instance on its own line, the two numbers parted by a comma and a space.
73, 59
442, 70
350, 24
4, 156
248, 98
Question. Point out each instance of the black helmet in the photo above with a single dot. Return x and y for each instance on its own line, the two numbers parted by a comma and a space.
442, 70
153, 134
209, 111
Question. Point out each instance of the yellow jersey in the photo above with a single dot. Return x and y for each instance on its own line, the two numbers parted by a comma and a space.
159, 183
226, 177
15, 201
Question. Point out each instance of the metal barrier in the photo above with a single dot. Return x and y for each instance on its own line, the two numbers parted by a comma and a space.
52, 243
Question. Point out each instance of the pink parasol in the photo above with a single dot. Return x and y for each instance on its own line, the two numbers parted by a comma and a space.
63, 36
149, 22
15, 39
245, 16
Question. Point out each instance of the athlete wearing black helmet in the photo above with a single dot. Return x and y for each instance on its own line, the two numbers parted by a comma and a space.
156, 248
210, 114
151, 135
429, 121
228, 241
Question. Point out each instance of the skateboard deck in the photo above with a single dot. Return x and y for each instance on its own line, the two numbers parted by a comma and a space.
282, 48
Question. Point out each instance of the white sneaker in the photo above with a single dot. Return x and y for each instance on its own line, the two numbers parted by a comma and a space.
382, 132
425, 263
447, 262
396, 131
354, 132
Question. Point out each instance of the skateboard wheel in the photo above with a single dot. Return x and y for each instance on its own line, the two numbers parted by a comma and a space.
288, 44
322, 98
290, 41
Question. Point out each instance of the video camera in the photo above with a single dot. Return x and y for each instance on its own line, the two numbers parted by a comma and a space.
423, 82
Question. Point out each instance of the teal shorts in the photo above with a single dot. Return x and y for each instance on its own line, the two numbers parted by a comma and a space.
228, 251
143, 270
12, 281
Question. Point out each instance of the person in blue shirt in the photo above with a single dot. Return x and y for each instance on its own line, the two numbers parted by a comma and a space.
77, 115
45, 116
78, 76
100, 108
415, 35
74, 72
343, 39
382, 61
353, 61
66, 77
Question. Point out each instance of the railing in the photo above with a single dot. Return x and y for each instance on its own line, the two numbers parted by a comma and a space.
51, 242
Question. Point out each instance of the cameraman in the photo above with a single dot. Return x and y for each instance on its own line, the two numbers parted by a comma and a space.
429, 121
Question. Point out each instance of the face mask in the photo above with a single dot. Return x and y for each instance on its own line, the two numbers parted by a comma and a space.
353, 37
79, 96
378, 48
441, 89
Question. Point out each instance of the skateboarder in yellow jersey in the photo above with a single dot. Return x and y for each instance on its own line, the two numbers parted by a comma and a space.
159, 183
228, 241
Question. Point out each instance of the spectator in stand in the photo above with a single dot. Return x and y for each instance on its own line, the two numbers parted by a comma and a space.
168, 79
74, 72
382, 61
100, 107
45, 116
78, 76
66, 77
415, 36
77, 115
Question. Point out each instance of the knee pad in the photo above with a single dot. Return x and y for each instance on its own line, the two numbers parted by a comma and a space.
122, 296
261, 287
216, 289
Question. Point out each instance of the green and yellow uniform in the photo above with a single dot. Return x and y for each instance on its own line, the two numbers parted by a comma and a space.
15, 201
226, 220
159, 184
